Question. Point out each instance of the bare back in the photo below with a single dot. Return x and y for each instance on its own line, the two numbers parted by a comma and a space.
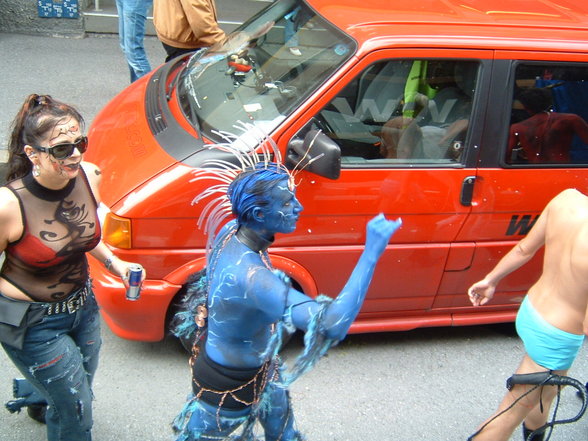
548, 136
561, 294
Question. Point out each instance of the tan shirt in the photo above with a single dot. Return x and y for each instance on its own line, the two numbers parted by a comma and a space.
187, 24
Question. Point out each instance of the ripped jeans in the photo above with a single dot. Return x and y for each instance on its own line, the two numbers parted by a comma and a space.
59, 358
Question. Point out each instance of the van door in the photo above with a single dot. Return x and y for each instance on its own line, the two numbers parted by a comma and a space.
535, 145
408, 125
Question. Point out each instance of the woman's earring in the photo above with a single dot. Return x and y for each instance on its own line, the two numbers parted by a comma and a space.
36, 170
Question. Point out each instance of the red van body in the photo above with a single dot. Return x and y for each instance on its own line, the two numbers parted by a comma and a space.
462, 209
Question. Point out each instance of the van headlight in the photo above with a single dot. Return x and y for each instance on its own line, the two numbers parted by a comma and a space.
116, 231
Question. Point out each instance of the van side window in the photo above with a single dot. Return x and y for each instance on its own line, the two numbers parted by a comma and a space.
549, 115
400, 112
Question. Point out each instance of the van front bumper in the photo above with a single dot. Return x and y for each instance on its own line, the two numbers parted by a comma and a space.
143, 319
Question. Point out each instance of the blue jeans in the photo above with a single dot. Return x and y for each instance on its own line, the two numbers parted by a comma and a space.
132, 15
59, 359
290, 28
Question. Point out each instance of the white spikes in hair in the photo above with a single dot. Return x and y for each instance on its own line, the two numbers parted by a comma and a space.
252, 147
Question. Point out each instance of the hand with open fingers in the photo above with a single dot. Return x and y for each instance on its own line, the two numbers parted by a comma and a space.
481, 292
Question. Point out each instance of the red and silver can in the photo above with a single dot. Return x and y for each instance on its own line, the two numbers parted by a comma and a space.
135, 275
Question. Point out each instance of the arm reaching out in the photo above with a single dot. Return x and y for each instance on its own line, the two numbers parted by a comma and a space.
342, 312
482, 292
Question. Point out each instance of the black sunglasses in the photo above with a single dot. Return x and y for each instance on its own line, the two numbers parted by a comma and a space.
65, 150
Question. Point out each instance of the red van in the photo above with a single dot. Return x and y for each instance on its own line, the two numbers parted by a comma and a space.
461, 117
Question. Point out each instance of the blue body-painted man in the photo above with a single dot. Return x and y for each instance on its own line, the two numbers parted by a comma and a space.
236, 376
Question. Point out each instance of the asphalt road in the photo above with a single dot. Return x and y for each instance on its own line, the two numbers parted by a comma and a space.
423, 385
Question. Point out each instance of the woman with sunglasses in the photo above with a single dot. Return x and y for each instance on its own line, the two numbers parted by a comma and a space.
49, 322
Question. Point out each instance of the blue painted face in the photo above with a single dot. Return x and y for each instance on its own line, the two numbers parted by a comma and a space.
283, 210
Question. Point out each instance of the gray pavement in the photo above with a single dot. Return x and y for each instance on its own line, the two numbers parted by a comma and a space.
86, 72
423, 385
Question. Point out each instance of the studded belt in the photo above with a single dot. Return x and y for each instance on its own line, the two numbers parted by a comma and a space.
69, 305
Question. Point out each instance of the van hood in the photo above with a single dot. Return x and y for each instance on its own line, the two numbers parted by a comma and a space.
149, 138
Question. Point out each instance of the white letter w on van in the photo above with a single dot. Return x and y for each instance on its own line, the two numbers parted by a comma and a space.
367, 110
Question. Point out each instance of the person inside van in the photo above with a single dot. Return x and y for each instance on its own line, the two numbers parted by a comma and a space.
402, 138
546, 136
399, 137
435, 112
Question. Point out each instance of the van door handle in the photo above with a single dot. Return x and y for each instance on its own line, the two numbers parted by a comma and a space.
467, 191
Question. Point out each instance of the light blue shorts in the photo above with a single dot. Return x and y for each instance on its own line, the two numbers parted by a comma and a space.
547, 345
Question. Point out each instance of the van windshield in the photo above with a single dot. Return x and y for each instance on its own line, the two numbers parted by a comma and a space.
263, 71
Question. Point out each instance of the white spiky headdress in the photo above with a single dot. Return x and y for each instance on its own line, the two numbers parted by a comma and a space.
253, 150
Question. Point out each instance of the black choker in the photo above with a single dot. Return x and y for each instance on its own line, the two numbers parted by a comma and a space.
45, 193
251, 239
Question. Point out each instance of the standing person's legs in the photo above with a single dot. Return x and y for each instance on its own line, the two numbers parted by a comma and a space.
26, 395
277, 417
206, 422
59, 358
132, 18
526, 409
86, 334
290, 35
537, 417
120, 9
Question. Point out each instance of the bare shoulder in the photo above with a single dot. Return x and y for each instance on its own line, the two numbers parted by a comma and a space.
8, 201
568, 206
10, 217
569, 195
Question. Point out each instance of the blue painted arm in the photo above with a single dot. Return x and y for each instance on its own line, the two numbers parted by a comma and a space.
344, 309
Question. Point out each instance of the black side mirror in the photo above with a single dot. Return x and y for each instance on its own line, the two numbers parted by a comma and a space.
317, 153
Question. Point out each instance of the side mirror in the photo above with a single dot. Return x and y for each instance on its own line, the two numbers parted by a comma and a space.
317, 153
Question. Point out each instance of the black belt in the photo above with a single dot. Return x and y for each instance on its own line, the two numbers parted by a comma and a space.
70, 305
230, 388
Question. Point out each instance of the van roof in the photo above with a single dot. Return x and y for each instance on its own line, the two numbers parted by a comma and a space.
504, 20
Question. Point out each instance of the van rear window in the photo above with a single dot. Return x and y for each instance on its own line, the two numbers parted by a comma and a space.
548, 122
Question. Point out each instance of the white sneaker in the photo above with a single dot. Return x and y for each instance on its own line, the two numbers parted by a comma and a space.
295, 51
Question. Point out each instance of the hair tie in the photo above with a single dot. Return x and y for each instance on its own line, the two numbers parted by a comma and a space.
41, 100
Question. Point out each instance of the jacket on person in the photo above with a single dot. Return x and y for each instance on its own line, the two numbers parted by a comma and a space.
187, 24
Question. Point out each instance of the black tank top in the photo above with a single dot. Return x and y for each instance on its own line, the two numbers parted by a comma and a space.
48, 262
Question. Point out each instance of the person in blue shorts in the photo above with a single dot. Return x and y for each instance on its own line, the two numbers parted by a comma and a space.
553, 318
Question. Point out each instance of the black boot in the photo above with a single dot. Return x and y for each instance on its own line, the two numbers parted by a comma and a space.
37, 412
537, 437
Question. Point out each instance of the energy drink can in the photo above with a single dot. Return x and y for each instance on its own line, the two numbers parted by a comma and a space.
134, 289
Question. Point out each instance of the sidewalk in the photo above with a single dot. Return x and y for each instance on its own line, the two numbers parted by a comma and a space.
86, 72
